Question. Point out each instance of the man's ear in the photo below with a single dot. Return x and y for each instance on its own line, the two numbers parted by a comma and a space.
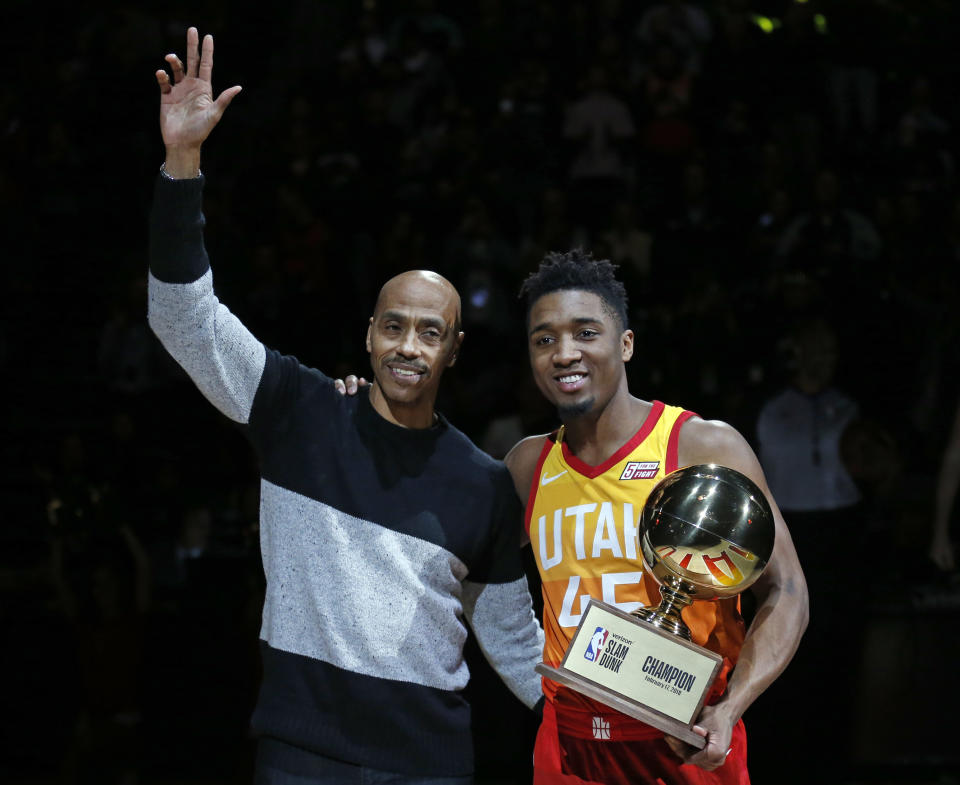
455, 351
369, 328
626, 345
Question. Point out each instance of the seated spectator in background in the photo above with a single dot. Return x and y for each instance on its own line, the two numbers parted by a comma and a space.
799, 428
628, 242
768, 227
685, 26
477, 242
128, 356
440, 32
555, 225
831, 241
859, 32
105, 595
599, 128
895, 503
924, 144
667, 95
171, 559
367, 43
799, 432
692, 240
942, 551
522, 412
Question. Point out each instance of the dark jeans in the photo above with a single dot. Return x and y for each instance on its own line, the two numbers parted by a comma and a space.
281, 764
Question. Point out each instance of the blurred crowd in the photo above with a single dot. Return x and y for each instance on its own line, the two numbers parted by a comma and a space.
776, 179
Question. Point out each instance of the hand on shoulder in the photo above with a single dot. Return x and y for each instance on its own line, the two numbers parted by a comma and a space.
350, 384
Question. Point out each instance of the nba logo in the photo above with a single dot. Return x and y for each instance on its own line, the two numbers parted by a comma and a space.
597, 640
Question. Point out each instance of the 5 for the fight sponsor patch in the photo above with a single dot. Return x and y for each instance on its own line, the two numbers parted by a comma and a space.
640, 470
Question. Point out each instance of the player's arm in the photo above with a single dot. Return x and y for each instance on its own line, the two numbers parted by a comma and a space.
522, 463
781, 593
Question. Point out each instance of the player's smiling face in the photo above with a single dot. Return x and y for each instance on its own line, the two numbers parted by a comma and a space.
577, 351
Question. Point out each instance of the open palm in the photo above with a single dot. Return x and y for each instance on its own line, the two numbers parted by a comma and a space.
188, 111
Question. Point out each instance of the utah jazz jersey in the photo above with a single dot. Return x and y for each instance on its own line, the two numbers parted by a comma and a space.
582, 523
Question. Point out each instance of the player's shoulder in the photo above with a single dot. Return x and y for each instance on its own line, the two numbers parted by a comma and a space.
716, 441
709, 441
523, 458
526, 452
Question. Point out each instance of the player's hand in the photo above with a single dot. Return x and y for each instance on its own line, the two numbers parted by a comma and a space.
717, 729
350, 385
188, 111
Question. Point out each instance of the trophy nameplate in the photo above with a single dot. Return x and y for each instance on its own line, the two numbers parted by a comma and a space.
639, 670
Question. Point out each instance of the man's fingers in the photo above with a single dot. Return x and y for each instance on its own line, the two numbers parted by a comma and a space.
193, 54
163, 81
176, 66
687, 752
223, 101
350, 385
206, 59
354, 383
678, 747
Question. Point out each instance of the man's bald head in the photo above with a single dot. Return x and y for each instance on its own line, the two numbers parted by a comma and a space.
425, 288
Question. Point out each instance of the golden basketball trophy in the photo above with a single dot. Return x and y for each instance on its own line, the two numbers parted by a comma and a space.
706, 532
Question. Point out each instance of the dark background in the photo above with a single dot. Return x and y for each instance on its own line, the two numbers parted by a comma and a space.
780, 159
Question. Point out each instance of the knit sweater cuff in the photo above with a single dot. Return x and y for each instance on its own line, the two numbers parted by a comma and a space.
177, 253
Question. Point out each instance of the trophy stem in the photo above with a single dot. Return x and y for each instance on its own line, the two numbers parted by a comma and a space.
667, 616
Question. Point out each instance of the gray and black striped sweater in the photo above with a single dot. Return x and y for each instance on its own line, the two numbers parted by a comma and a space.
378, 542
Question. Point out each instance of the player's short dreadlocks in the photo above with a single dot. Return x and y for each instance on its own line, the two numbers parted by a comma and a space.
577, 269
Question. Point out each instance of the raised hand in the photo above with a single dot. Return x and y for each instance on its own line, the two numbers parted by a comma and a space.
188, 111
